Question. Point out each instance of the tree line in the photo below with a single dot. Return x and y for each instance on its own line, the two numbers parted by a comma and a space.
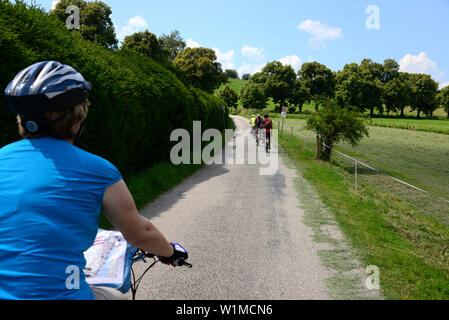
368, 87
233, 74
194, 66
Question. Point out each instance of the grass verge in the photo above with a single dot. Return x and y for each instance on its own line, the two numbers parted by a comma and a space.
409, 248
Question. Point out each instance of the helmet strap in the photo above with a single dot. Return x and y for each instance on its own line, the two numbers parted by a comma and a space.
35, 125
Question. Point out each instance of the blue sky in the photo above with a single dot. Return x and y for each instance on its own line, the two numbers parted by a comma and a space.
247, 34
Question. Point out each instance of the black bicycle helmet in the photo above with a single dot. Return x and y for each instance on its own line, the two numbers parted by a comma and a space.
43, 87
266, 116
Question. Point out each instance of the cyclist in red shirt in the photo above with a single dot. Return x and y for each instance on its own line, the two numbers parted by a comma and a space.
268, 125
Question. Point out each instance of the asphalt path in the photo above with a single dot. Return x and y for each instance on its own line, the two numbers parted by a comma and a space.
244, 234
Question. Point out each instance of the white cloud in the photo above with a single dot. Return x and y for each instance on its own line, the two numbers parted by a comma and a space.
138, 22
192, 44
250, 68
421, 64
443, 85
321, 32
294, 61
135, 24
253, 53
53, 4
225, 58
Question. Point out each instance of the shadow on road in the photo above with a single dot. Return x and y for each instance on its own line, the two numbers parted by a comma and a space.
170, 198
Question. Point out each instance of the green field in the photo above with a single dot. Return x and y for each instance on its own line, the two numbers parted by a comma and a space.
429, 125
418, 158
234, 84
436, 125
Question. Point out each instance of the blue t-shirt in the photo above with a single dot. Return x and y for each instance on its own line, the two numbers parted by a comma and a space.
51, 194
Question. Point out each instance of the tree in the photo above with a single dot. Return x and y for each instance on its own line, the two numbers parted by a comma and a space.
390, 70
407, 87
360, 86
424, 91
229, 96
259, 78
173, 43
396, 94
393, 93
300, 95
349, 87
443, 99
246, 76
333, 124
279, 81
95, 21
201, 67
318, 80
232, 74
145, 44
253, 96
61, 6
373, 77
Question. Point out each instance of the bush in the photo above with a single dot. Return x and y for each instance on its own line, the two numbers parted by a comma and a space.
136, 103
333, 124
229, 96
253, 96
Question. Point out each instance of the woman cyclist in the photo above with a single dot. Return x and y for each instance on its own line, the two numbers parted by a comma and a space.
51, 192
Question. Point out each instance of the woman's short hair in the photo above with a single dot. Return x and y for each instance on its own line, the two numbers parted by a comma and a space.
63, 127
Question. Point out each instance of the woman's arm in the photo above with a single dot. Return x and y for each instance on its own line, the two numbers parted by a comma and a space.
120, 209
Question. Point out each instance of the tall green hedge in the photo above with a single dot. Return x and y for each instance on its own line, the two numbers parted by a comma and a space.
136, 103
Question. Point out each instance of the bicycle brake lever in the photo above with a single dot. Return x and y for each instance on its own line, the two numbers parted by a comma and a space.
183, 263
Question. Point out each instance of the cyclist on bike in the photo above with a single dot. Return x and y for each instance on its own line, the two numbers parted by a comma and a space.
253, 123
51, 193
258, 125
268, 125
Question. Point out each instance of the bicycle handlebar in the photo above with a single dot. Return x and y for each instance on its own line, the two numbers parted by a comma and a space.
140, 255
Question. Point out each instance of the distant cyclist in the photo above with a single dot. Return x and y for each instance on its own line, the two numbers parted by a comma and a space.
268, 125
253, 123
259, 122
51, 193
259, 125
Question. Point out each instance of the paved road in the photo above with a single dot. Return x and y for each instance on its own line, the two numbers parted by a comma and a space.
244, 235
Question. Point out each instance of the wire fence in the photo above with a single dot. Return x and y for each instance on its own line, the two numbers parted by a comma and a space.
364, 173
